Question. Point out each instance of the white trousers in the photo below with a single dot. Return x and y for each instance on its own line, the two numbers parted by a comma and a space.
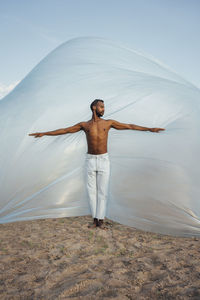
97, 175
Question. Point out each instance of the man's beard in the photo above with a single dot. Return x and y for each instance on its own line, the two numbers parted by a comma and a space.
99, 114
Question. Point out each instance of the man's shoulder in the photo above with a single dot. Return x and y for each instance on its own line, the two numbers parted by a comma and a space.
84, 124
106, 122
109, 121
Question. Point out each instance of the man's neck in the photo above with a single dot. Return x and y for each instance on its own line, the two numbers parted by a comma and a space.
95, 118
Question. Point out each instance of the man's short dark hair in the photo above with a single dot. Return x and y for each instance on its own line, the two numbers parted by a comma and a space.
94, 103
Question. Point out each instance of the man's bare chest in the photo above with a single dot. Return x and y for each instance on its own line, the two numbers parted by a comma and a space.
96, 129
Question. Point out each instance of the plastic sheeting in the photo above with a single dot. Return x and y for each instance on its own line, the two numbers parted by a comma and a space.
154, 183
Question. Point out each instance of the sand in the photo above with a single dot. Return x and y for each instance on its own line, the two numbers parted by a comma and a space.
64, 259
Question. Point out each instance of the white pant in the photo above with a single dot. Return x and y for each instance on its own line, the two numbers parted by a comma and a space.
97, 174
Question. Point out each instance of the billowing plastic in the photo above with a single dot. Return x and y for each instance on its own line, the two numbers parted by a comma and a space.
155, 177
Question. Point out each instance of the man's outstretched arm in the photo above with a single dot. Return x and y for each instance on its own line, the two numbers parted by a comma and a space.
123, 126
71, 129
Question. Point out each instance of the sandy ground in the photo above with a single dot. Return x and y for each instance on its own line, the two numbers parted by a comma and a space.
63, 259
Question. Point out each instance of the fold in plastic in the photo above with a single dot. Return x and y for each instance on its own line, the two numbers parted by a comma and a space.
155, 177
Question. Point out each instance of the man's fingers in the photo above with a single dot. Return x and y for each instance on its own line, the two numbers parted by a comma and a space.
36, 135
158, 129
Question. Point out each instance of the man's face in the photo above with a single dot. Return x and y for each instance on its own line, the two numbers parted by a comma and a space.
100, 109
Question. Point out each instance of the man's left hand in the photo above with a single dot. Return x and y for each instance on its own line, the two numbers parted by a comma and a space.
156, 129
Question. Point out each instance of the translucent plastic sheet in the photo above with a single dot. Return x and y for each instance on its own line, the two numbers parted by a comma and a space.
155, 177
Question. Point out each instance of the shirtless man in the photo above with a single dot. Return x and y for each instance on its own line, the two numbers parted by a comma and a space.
97, 159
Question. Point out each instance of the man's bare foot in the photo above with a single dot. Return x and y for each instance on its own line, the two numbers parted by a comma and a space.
94, 224
108, 223
102, 225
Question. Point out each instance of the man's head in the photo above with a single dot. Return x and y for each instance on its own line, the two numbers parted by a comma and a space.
98, 106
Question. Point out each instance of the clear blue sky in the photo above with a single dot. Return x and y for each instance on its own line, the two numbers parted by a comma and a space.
168, 30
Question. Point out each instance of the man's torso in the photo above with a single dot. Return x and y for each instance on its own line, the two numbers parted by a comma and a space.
97, 135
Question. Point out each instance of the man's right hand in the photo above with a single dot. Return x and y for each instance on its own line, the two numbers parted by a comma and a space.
37, 134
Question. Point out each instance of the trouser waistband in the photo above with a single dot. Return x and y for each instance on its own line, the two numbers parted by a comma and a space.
97, 155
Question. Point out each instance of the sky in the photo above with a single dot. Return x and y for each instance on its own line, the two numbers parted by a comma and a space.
167, 30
